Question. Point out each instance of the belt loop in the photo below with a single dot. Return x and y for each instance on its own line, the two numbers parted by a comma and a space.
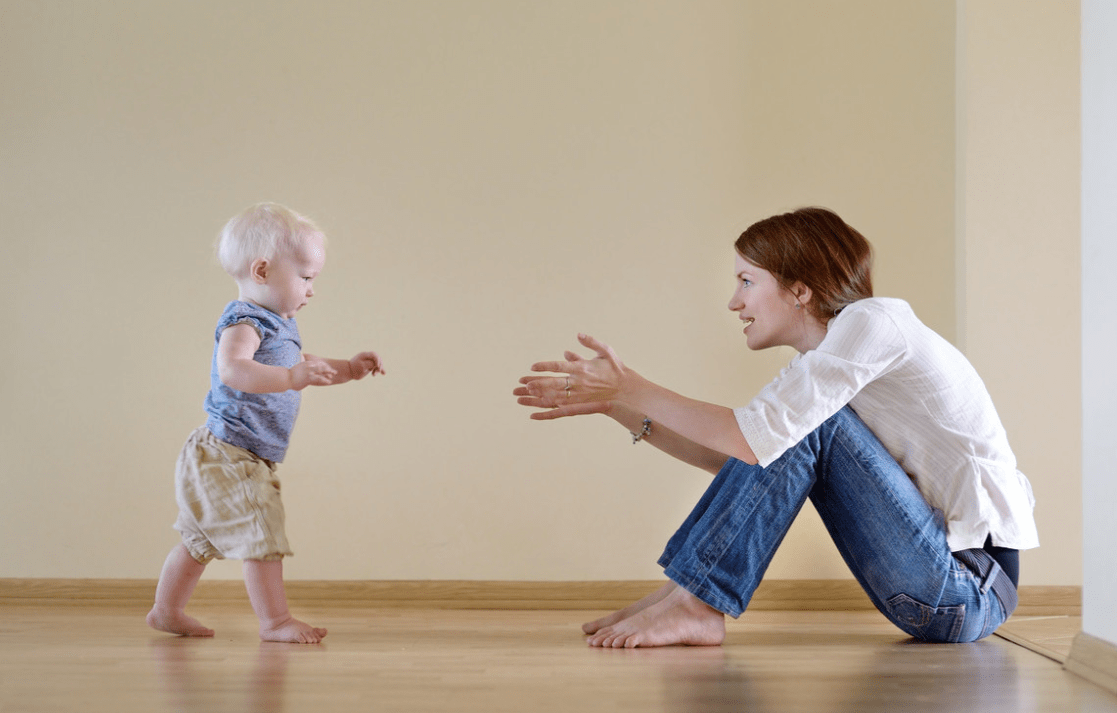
992, 577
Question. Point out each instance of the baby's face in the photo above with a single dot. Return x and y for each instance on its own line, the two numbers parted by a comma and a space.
290, 280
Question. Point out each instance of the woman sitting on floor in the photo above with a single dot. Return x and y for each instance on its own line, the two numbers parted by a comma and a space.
883, 424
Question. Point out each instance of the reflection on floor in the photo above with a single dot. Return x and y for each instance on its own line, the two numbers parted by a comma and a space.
103, 658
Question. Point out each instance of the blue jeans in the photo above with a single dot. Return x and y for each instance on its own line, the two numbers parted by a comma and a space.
893, 541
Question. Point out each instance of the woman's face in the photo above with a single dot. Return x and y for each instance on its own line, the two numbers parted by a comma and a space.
770, 312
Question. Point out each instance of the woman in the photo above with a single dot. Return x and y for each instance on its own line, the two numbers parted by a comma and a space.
883, 424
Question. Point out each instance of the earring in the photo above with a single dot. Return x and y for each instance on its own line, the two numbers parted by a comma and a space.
798, 305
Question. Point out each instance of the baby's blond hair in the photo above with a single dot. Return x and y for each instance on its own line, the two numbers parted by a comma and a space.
261, 232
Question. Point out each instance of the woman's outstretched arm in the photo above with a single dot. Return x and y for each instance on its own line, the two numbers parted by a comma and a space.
660, 436
581, 385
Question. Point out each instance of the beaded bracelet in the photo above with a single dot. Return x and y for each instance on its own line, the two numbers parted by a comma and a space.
647, 431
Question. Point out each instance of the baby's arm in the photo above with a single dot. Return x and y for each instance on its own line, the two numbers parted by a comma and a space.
238, 370
358, 367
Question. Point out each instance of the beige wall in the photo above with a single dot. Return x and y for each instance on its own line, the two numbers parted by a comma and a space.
495, 177
1018, 247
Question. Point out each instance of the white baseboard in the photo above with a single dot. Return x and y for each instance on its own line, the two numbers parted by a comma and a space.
1095, 660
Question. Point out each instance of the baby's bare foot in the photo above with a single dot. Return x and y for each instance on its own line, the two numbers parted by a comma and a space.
176, 622
679, 618
293, 631
593, 627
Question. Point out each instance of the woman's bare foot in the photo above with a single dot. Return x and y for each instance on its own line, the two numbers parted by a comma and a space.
593, 627
678, 618
176, 622
292, 631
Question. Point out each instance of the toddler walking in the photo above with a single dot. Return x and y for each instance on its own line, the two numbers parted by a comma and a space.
225, 477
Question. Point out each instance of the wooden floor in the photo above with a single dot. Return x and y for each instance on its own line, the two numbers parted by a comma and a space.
68, 657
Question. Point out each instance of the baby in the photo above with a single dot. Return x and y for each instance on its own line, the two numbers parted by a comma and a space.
225, 481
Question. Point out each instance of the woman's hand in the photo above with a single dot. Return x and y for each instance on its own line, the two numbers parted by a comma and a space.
584, 386
696, 432
554, 412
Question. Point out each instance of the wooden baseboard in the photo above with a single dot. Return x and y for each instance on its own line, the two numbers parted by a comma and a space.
1049, 600
1093, 659
772, 595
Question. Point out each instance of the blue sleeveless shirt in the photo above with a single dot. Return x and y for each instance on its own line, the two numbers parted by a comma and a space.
261, 423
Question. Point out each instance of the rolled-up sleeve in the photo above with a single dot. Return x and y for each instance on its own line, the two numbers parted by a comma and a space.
860, 345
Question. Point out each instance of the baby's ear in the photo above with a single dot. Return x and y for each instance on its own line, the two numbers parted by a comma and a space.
258, 271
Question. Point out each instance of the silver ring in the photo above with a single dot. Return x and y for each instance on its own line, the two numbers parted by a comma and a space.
568, 384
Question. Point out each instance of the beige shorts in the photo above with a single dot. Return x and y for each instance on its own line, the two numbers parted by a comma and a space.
228, 502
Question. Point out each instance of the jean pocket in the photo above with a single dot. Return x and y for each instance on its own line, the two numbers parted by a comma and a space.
937, 624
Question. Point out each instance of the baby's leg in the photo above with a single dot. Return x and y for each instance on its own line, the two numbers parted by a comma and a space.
264, 581
180, 575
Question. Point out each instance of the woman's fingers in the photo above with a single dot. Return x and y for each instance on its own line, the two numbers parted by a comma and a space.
573, 379
542, 391
571, 410
597, 345
603, 350
559, 366
567, 365
541, 384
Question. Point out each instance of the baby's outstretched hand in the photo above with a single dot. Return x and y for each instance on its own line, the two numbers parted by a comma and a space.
366, 363
312, 372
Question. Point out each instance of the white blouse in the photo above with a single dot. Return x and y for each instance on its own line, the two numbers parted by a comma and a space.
923, 400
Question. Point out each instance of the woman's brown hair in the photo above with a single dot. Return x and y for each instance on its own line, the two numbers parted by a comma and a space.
817, 248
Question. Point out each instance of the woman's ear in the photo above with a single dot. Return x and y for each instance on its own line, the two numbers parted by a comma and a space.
802, 294
258, 271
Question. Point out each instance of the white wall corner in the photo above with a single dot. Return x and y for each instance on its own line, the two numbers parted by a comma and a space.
1095, 660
